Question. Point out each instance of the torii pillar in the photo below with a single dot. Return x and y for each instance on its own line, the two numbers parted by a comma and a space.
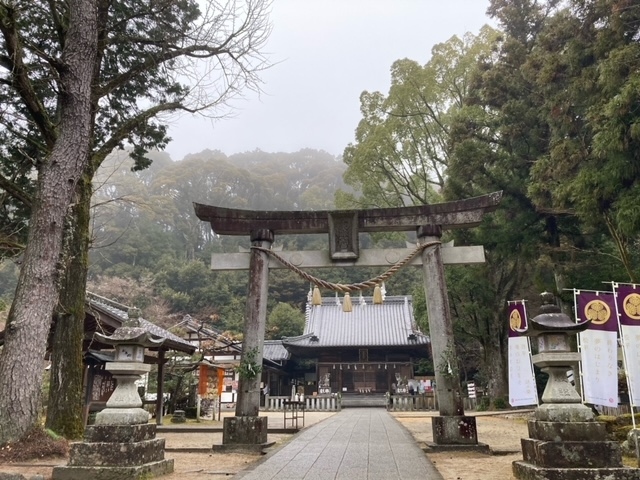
452, 428
247, 428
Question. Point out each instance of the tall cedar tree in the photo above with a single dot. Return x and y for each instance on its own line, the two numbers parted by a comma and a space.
586, 65
21, 366
152, 58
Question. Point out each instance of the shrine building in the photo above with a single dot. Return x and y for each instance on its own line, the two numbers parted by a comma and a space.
363, 351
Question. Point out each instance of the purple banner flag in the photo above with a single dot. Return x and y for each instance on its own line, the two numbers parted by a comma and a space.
599, 307
628, 308
517, 319
522, 385
628, 303
598, 347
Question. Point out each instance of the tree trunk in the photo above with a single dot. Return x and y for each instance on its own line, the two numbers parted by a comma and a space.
21, 359
495, 368
64, 407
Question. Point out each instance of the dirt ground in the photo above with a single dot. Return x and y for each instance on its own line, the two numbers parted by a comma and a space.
501, 432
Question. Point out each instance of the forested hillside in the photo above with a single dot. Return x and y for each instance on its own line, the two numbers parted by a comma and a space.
150, 250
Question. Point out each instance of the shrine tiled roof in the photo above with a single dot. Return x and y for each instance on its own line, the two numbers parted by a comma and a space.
101, 306
274, 350
367, 325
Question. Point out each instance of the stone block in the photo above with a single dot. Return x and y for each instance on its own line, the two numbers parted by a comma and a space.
454, 430
179, 416
631, 444
571, 454
19, 476
122, 416
569, 431
526, 471
244, 430
482, 448
120, 433
568, 412
116, 454
153, 469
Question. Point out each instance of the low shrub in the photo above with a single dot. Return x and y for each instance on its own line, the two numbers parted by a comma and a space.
500, 403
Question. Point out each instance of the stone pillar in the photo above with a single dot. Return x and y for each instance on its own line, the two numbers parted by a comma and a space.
452, 427
247, 427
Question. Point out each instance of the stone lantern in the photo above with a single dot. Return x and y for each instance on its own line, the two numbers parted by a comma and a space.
560, 399
565, 442
122, 443
124, 407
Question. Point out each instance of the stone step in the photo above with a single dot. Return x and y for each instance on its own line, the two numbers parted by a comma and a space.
153, 469
361, 401
123, 454
121, 434
569, 431
527, 471
602, 454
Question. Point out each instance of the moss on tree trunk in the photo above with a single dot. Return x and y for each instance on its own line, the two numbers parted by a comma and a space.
65, 403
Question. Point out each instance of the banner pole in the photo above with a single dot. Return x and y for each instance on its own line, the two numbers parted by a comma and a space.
533, 372
579, 344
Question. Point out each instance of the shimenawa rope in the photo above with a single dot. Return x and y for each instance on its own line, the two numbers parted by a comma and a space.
354, 287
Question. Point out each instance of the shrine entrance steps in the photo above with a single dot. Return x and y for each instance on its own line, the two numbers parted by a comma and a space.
354, 444
363, 400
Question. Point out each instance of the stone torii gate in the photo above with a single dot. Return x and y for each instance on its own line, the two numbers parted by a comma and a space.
451, 427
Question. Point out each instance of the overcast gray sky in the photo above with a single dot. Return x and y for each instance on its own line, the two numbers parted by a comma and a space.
327, 52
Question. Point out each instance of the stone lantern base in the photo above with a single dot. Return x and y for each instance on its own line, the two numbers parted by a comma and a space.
116, 452
456, 432
570, 451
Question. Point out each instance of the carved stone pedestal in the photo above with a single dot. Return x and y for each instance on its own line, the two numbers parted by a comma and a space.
570, 451
456, 433
116, 452
244, 431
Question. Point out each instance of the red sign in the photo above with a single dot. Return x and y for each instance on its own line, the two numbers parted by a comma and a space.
203, 380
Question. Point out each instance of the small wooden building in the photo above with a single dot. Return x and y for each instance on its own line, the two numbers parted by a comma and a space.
367, 351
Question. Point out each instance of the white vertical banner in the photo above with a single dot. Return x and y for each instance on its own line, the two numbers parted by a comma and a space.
598, 346
522, 384
628, 310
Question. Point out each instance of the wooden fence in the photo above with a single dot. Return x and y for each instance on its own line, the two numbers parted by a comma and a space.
615, 411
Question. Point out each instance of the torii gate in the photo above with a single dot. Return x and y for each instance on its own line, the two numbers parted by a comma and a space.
343, 226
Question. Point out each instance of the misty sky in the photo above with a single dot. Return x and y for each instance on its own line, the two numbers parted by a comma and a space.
326, 53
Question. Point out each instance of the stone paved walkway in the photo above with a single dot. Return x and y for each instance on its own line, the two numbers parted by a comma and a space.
355, 444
